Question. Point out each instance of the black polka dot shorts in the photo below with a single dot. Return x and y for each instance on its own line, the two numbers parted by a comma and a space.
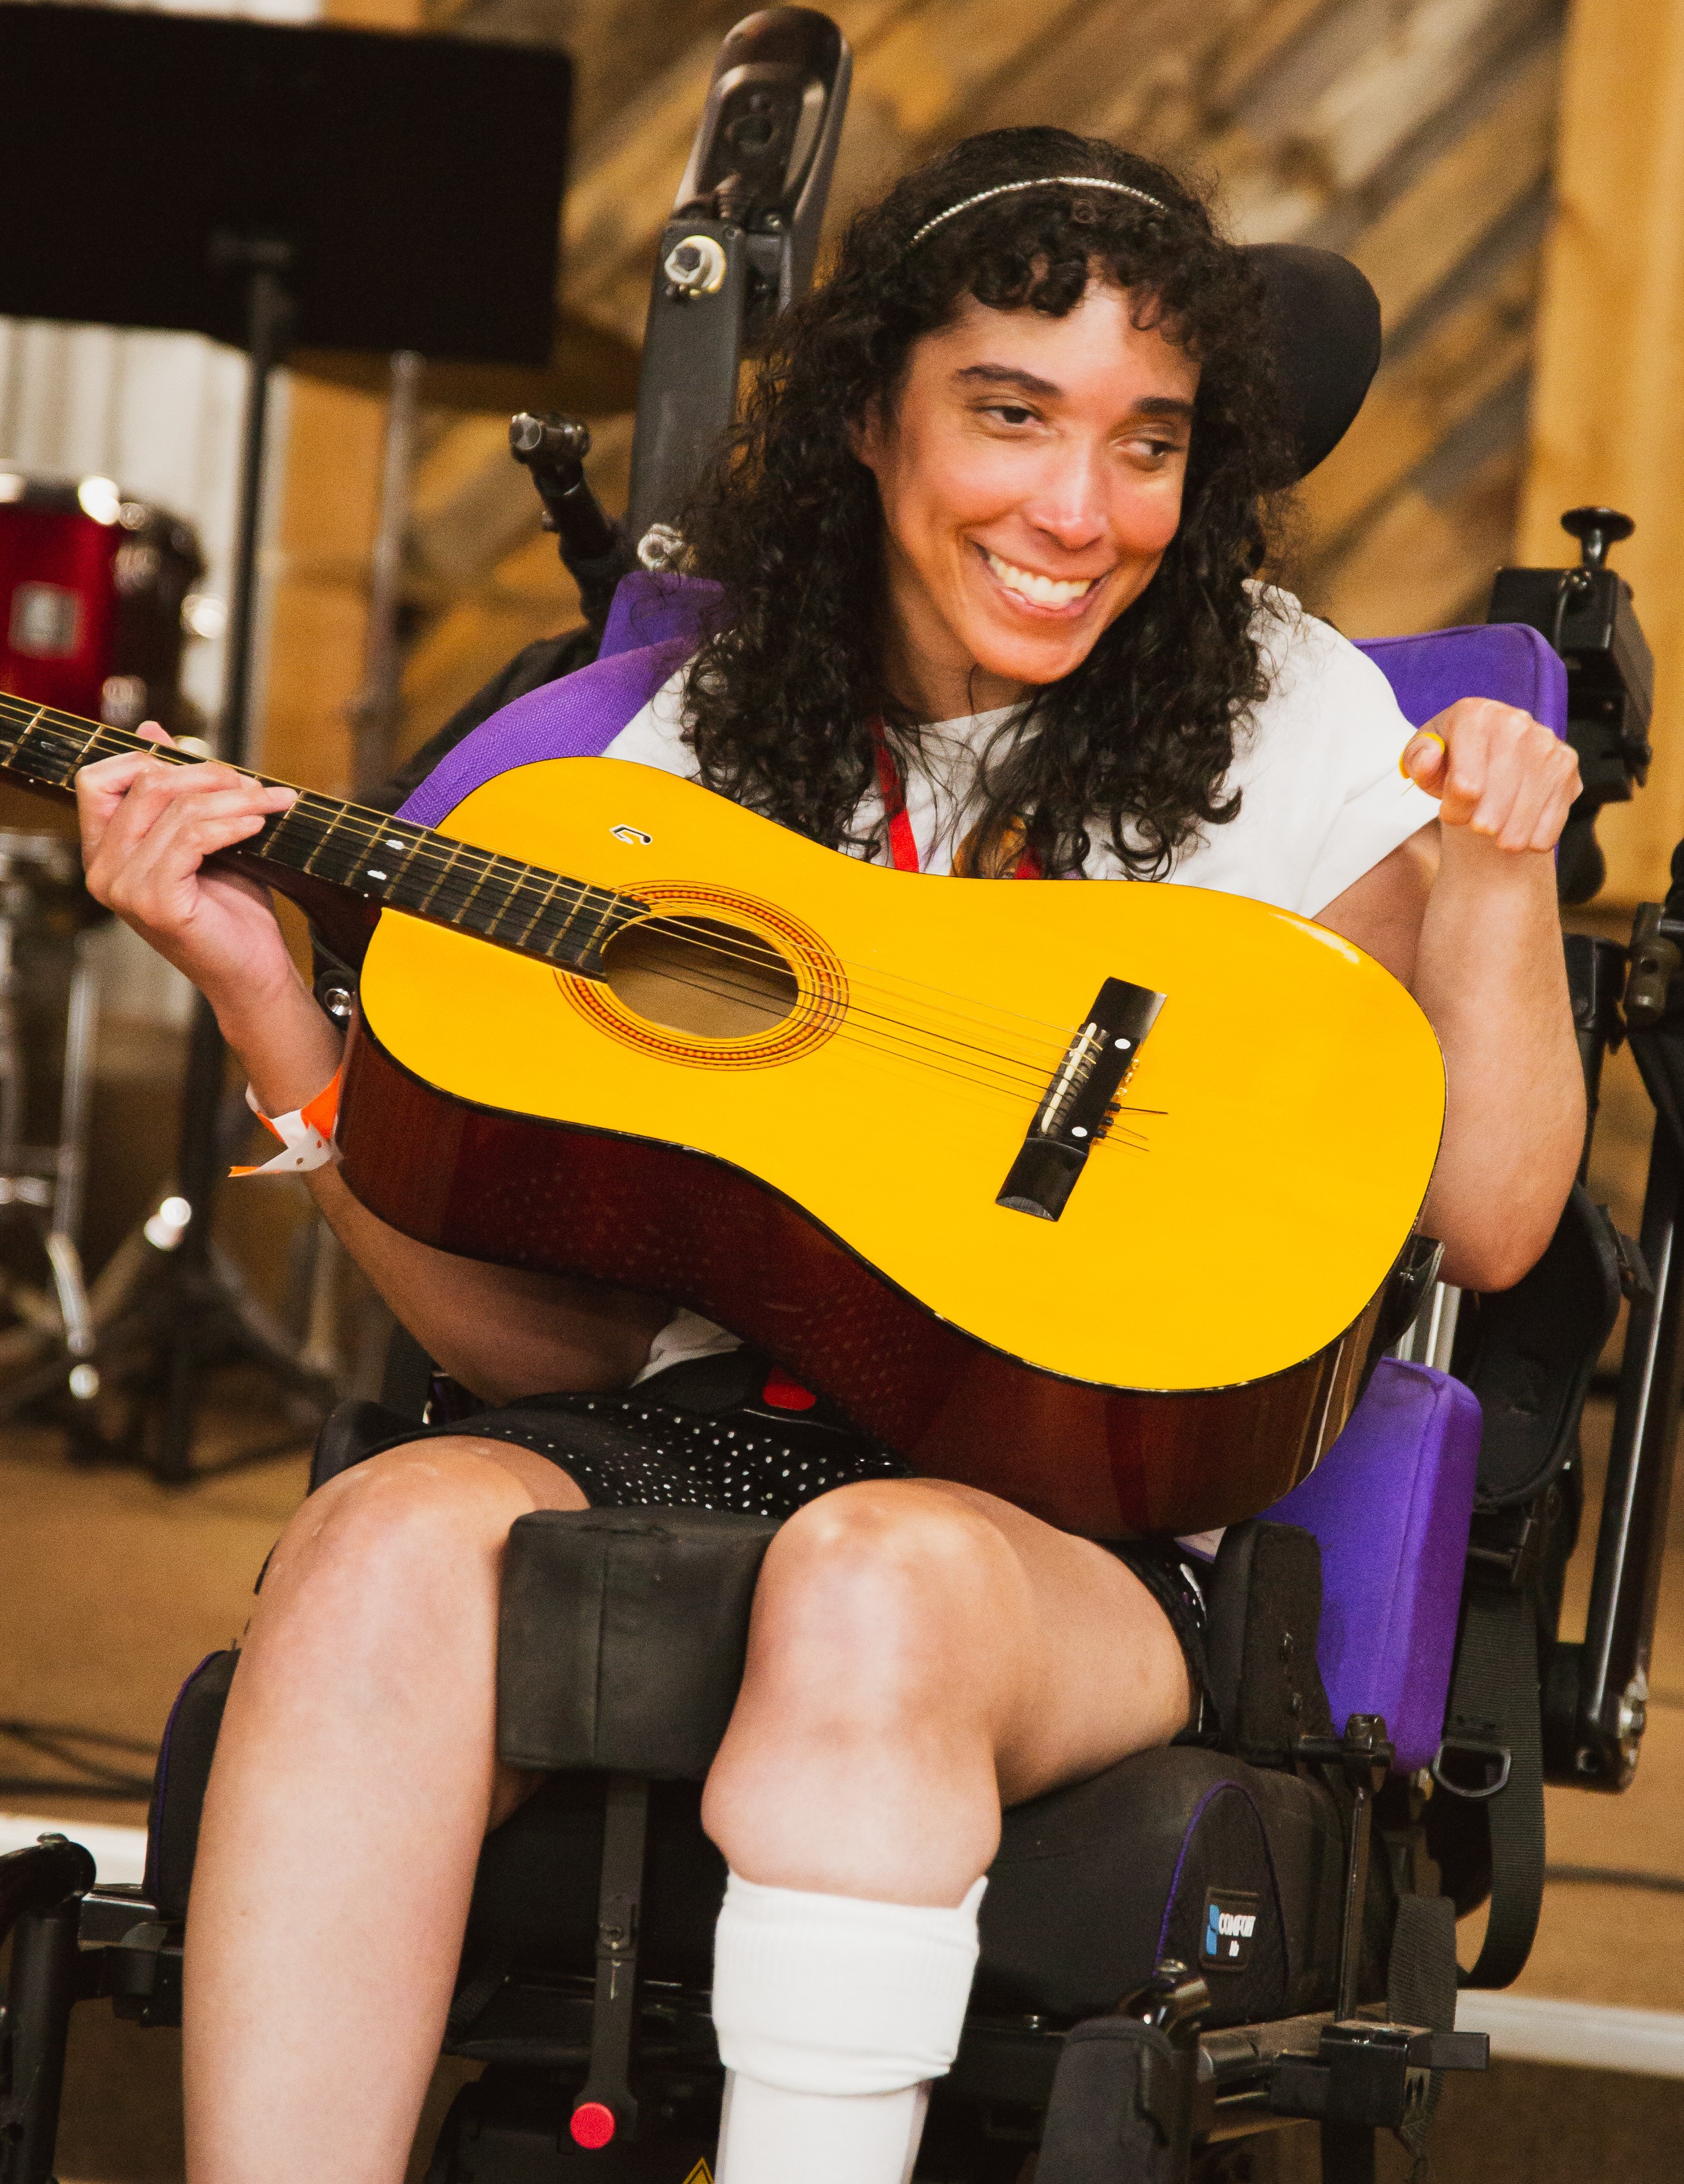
713, 1433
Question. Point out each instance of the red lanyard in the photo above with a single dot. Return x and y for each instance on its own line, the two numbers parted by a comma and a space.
903, 846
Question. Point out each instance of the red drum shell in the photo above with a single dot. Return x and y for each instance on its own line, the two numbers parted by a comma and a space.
91, 610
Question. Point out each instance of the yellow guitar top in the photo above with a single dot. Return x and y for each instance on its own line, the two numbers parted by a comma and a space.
896, 1037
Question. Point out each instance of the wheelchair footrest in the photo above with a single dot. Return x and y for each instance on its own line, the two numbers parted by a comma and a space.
1365, 2072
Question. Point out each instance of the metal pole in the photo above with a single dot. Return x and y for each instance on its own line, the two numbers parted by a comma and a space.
267, 312
374, 712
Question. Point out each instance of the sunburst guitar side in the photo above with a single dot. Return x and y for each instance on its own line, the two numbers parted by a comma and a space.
1084, 1194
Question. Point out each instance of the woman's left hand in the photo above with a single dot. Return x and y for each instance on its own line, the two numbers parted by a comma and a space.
1497, 772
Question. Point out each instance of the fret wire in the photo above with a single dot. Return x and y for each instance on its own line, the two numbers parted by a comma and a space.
470, 899
568, 915
26, 731
524, 876
327, 837
511, 878
426, 902
344, 819
543, 903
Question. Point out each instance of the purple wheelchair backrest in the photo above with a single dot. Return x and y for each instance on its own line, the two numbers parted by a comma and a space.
1391, 1501
1502, 660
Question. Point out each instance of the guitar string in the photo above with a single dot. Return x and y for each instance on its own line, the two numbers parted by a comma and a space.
917, 1057
372, 823
989, 1081
1034, 1078
900, 1051
1030, 1084
911, 1058
46, 723
1029, 1077
1038, 1082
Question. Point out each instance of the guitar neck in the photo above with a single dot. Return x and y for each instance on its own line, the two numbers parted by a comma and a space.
362, 854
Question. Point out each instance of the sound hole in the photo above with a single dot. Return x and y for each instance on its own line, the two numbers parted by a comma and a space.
696, 975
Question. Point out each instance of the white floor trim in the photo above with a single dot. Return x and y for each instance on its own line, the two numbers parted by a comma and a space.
1648, 2043
119, 1853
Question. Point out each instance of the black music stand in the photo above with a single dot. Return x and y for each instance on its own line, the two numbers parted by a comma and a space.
268, 185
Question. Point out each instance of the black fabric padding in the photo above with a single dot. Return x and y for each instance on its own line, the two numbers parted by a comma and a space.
1074, 1916
1229, 1839
1323, 322
622, 1638
179, 1781
1114, 2112
1528, 1354
1263, 1597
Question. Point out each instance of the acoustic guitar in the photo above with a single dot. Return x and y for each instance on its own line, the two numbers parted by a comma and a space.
1085, 1195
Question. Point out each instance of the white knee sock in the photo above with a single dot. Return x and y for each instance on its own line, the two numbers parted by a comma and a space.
833, 2013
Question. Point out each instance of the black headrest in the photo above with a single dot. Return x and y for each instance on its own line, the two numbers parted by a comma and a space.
1325, 319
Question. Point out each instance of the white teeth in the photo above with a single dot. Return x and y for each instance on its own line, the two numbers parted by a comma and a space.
1045, 591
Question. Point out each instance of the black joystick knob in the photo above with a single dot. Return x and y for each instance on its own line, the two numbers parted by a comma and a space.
1595, 529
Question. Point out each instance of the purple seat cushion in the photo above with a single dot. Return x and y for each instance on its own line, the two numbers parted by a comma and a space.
1502, 660
1391, 1503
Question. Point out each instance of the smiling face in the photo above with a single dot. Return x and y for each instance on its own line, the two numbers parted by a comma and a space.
1030, 472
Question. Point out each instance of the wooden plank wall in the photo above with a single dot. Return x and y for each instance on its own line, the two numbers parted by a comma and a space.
1414, 134
1609, 381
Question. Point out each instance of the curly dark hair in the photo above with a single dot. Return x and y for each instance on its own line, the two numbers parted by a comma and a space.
1131, 746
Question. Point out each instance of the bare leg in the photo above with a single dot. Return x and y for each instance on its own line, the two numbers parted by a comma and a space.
920, 1653
355, 1777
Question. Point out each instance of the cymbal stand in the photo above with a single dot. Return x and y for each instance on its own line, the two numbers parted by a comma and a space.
45, 1182
172, 1307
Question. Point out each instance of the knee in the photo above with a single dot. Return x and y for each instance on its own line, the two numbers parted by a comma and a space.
889, 1583
406, 1524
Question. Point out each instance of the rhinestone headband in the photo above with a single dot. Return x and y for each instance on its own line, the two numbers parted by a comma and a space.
1037, 182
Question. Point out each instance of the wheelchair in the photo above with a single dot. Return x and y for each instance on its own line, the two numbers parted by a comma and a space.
1253, 1928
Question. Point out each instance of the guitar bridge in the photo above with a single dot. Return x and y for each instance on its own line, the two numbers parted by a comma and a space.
1080, 1099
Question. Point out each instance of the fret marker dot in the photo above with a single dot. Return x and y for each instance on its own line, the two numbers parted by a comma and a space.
394, 845
374, 875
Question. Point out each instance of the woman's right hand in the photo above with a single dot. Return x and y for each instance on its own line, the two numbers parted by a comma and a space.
147, 827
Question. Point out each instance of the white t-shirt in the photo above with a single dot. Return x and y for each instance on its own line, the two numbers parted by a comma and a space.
1321, 801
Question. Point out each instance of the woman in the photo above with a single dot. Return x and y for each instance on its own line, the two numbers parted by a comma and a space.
1006, 476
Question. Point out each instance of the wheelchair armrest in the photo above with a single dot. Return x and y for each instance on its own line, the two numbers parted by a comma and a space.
1264, 1597
622, 1636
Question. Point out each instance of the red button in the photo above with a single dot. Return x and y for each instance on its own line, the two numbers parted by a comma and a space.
787, 1394
592, 2124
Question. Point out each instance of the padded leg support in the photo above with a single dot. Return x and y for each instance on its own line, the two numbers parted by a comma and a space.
833, 2013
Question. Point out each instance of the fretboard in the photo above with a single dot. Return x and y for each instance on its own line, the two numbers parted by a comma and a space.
387, 861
